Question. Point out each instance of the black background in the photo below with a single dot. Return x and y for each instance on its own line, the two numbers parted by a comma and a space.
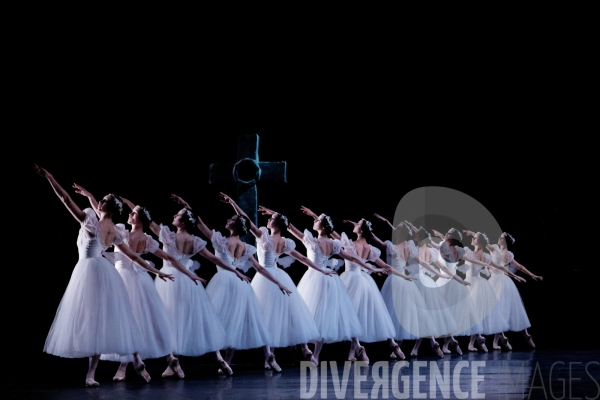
125, 117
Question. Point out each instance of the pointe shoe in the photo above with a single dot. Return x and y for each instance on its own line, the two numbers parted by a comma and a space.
529, 341
393, 355
91, 383
436, 348
496, 347
168, 372
446, 351
454, 343
398, 353
309, 356
481, 343
176, 368
267, 366
471, 347
225, 368
272, 363
141, 371
362, 354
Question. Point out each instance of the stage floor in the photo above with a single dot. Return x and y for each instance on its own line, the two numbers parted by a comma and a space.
517, 374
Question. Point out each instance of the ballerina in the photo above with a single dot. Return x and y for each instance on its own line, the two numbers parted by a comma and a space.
328, 299
196, 323
423, 261
368, 302
148, 307
509, 298
460, 302
404, 300
289, 319
235, 301
491, 317
95, 315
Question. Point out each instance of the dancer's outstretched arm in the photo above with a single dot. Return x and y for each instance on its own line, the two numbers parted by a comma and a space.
93, 202
520, 267
126, 250
226, 199
77, 212
206, 231
265, 272
216, 260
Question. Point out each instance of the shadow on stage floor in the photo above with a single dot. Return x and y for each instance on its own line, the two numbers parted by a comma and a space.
517, 374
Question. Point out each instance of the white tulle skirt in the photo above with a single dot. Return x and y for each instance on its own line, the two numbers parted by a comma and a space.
510, 302
435, 305
150, 314
288, 318
330, 305
461, 306
491, 318
401, 297
193, 318
239, 311
94, 316
369, 305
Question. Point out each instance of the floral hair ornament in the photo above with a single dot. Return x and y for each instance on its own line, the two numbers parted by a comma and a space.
511, 237
190, 215
146, 213
408, 228
118, 203
485, 236
243, 222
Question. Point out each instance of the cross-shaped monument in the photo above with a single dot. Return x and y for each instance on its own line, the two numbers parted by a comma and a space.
246, 172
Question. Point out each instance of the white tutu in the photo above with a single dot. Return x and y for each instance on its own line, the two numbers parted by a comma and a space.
235, 300
367, 300
326, 296
148, 308
95, 314
194, 320
288, 318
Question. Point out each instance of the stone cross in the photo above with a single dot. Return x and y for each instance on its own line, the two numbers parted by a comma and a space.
246, 172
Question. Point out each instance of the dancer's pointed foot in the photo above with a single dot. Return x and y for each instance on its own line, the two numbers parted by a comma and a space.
176, 368
528, 339
445, 350
308, 356
141, 371
436, 348
414, 352
225, 368
398, 353
267, 366
362, 354
272, 363
471, 347
454, 343
89, 382
393, 355
168, 372
481, 343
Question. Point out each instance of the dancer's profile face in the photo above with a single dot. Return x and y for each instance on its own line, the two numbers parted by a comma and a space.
104, 203
230, 224
357, 228
271, 222
133, 218
178, 219
318, 225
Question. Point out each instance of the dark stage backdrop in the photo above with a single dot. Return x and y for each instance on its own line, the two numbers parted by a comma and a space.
349, 173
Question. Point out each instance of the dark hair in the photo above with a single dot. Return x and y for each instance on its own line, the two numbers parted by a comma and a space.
241, 224
327, 224
402, 233
144, 216
422, 234
281, 221
454, 238
366, 228
189, 219
482, 240
115, 204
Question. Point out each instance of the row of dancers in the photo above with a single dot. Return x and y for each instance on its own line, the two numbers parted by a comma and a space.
113, 310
